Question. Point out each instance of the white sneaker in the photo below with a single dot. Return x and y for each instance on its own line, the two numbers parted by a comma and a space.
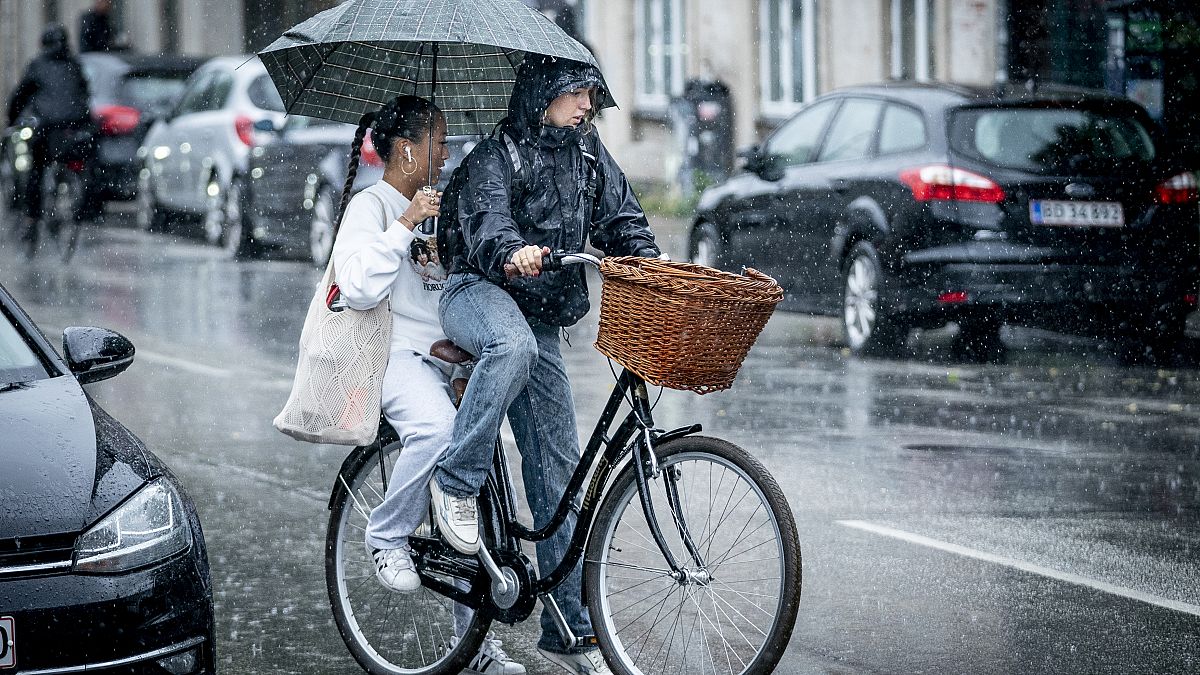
457, 519
491, 659
395, 569
586, 663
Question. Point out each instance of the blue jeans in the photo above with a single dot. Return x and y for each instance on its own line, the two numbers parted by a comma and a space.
519, 371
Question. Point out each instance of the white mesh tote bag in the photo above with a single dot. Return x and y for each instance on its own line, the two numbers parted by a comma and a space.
339, 379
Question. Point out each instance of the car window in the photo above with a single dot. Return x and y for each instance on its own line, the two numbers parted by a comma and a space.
852, 131
150, 91
18, 362
1052, 140
796, 141
263, 94
901, 130
218, 94
193, 97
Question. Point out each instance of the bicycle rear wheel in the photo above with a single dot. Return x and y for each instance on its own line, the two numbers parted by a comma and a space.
734, 609
62, 194
388, 633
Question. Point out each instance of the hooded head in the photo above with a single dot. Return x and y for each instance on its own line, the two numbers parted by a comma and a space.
540, 80
54, 40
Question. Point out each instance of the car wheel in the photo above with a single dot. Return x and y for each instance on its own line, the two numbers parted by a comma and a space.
320, 230
214, 211
706, 246
979, 340
150, 216
1156, 340
235, 236
867, 326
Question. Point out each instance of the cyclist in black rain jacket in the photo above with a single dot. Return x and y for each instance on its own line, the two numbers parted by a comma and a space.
501, 209
502, 307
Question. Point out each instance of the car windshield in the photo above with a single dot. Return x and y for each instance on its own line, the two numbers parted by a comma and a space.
18, 362
147, 91
1052, 140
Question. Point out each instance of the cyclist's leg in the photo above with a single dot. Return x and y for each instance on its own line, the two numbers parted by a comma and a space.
483, 319
39, 156
416, 402
543, 422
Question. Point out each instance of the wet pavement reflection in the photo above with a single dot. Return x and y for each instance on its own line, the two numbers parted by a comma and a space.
1075, 479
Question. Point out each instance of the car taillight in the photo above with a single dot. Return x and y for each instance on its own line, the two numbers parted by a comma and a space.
939, 182
953, 297
116, 120
1181, 189
245, 130
369, 155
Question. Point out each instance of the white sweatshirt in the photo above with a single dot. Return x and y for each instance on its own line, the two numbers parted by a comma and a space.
376, 256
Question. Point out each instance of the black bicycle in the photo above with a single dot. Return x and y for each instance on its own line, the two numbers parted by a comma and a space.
66, 204
691, 561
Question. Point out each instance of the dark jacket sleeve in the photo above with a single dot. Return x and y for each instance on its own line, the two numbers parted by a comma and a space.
20, 96
619, 225
484, 212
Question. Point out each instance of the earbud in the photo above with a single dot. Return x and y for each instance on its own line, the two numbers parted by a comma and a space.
408, 153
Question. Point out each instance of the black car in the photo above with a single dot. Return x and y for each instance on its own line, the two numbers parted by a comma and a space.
912, 205
297, 175
128, 91
102, 560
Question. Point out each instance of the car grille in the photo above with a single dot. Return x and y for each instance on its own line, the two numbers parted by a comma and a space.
36, 556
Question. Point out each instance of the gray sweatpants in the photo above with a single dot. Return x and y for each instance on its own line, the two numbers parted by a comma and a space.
417, 403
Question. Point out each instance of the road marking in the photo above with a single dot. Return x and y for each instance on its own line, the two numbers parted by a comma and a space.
1069, 578
183, 364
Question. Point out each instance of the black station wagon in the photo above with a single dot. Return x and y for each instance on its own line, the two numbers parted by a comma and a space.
912, 205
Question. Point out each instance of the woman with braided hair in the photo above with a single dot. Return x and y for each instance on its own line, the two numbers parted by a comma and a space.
374, 260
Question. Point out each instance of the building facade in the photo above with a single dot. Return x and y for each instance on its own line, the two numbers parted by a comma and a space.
772, 55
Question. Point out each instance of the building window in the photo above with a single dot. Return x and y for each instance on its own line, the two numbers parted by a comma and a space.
912, 49
660, 52
787, 55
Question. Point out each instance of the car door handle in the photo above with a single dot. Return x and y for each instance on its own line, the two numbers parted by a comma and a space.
840, 185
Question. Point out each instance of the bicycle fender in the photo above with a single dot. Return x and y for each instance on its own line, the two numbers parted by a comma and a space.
677, 433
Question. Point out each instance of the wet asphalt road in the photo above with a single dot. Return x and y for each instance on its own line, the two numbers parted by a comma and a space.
1041, 515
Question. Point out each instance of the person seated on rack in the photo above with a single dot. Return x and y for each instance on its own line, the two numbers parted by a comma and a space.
375, 258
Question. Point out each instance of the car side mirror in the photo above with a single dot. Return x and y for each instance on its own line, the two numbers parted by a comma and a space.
266, 125
95, 354
753, 157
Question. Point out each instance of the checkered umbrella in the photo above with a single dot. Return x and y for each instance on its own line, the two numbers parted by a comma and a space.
462, 54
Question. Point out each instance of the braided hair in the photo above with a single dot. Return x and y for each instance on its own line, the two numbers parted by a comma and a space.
407, 117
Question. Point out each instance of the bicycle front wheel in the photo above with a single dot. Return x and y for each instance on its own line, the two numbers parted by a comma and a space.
731, 531
388, 633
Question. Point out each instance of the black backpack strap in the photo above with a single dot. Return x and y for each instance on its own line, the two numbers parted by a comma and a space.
589, 146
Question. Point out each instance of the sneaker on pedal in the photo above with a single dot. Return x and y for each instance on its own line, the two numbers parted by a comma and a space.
491, 659
395, 569
590, 662
457, 519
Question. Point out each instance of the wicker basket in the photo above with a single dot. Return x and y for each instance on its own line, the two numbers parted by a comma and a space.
680, 325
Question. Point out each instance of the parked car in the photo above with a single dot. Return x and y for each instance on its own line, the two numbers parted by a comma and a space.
103, 564
195, 158
127, 91
911, 205
296, 178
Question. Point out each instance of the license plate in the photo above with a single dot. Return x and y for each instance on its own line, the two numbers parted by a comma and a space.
8, 657
1086, 214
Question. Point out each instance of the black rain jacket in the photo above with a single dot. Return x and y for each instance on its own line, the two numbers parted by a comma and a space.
53, 91
549, 205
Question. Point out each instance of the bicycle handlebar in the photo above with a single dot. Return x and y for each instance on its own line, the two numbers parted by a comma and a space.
560, 259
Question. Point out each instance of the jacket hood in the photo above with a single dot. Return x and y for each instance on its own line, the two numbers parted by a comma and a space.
540, 80
54, 42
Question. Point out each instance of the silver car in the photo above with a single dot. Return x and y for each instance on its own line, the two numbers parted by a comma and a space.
195, 158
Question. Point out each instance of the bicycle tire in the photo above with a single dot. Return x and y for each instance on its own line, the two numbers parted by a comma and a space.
636, 632
387, 633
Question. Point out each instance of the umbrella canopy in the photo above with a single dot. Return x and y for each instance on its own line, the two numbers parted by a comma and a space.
463, 54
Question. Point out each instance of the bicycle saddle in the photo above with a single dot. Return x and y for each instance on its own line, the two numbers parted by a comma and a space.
450, 352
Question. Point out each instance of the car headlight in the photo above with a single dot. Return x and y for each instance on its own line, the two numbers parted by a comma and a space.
150, 526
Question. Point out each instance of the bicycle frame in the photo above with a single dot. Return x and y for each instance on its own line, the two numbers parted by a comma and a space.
636, 434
